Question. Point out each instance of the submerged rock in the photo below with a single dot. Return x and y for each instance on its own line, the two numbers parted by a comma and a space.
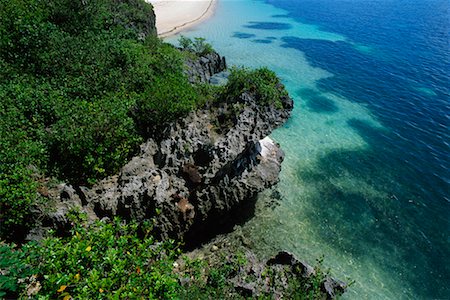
283, 276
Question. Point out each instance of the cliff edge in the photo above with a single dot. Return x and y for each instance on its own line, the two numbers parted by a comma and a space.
198, 170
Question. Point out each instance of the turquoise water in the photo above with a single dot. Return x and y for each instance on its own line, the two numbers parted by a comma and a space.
365, 181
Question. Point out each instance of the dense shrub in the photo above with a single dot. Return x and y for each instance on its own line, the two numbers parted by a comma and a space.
114, 260
17, 193
73, 74
198, 45
166, 99
21, 148
15, 270
92, 139
105, 260
261, 83
23, 31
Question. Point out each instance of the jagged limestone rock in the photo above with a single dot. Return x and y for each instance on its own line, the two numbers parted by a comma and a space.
196, 172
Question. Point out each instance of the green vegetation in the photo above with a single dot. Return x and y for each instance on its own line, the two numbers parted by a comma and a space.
80, 89
261, 83
114, 260
198, 45
82, 83
106, 260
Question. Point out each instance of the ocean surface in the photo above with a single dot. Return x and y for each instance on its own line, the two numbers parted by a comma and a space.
365, 182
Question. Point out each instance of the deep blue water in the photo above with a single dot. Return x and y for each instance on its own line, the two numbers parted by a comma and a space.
403, 77
366, 177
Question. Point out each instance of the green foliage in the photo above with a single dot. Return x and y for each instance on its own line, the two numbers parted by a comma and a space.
208, 93
20, 148
73, 74
166, 99
14, 271
201, 46
261, 83
115, 260
198, 46
99, 136
311, 287
17, 193
185, 42
103, 261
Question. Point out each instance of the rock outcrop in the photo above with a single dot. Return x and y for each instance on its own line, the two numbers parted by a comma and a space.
196, 175
201, 69
283, 276
197, 171
285, 268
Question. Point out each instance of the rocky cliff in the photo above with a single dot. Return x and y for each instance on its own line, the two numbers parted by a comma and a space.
190, 182
203, 68
201, 168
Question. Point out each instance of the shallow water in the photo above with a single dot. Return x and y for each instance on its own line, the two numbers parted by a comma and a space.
365, 182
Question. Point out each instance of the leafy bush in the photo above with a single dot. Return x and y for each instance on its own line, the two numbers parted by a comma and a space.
17, 193
165, 100
262, 83
70, 74
14, 271
106, 260
185, 42
198, 46
109, 260
115, 260
21, 148
93, 139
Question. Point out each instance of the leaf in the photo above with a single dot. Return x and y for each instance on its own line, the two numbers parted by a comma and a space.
62, 288
88, 248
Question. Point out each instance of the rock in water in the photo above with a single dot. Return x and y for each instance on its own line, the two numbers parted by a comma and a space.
193, 176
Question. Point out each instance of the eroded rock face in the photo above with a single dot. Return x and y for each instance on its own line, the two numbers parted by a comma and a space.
204, 67
195, 174
197, 171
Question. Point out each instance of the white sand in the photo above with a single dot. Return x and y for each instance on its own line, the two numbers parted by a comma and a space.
173, 16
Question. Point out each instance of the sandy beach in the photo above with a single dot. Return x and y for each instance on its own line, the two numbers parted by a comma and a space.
173, 16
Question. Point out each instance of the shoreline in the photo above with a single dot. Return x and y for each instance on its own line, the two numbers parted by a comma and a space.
174, 16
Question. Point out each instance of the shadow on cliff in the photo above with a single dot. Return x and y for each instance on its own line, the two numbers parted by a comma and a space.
363, 204
216, 224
